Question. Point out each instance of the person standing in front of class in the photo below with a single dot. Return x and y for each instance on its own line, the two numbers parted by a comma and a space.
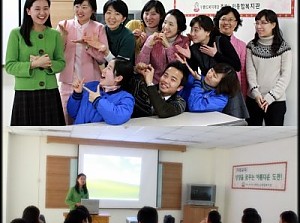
268, 69
77, 192
34, 55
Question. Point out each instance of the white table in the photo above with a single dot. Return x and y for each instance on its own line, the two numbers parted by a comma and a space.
188, 119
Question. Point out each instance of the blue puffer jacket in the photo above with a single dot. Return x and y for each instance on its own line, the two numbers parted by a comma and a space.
114, 108
205, 99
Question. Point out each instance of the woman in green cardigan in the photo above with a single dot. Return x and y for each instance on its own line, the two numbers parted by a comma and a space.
34, 55
77, 192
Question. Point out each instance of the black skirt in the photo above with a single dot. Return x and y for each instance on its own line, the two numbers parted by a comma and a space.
37, 108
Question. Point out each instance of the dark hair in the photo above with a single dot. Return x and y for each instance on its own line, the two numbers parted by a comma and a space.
214, 217
180, 18
86, 211
229, 84
31, 214
18, 220
204, 21
77, 184
182, 68
92, 3
289, 217
147, 215
118, 5
251, 218
270, 17
123, 67
224, 11
75, 216
159, 8
27, 23
249, 210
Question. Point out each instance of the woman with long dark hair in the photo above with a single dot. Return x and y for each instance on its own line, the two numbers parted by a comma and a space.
269, 68
34, 55
77, 192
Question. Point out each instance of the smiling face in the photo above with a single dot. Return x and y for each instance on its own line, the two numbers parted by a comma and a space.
170, 81
198, 34
83, 12
264, 28
39, 12
113, 19
108, 77
212, 78
170, 27
151, 18
227, 24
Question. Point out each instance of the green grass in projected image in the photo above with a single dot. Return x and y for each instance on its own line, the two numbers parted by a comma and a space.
112, 190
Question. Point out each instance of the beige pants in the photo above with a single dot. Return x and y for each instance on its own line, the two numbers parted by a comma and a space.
65, 92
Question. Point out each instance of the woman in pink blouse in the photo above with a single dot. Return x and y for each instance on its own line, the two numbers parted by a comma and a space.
82, 59
227, 20
159, 48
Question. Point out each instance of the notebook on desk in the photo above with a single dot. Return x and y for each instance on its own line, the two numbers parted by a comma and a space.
92, 205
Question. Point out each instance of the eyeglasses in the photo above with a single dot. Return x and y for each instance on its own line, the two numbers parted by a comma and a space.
263, 23
227, 20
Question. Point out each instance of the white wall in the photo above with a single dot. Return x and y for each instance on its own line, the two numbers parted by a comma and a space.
26, 173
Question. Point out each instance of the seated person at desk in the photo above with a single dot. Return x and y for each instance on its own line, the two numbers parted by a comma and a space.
105, 100
211, 92
160, 99
147, 214
77, 192
76, 216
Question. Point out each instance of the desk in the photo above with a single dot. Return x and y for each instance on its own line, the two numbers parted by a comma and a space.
184, 119
188, 119
100, 218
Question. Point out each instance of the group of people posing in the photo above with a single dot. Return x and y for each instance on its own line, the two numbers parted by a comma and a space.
117, 71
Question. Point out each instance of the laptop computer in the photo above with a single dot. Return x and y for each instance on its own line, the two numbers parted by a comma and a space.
91, 204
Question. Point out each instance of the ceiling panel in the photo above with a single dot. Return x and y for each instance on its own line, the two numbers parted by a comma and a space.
202, 137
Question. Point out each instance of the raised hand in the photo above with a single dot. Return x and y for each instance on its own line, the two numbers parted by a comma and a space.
186, 52
153, 39
147, 71
77, 85
164, 40
63, 30
94, 42
93, 95
193, 72
210, 51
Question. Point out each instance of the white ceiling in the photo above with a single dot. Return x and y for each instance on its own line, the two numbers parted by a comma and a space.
200, 137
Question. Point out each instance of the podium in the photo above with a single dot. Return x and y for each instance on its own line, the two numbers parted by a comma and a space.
96, 218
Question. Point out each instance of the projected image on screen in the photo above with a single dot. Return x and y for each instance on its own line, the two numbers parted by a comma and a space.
119, 177
113, 177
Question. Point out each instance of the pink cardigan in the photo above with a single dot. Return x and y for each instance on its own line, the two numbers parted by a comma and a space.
240, 48
90, 58
159, 57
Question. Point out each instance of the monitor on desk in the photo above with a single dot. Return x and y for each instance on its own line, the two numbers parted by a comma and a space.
92, 205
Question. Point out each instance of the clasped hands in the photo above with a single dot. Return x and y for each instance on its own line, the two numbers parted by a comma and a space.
43, 61
262, 103
78, 87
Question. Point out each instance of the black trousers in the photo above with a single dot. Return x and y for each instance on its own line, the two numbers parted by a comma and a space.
273, 117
